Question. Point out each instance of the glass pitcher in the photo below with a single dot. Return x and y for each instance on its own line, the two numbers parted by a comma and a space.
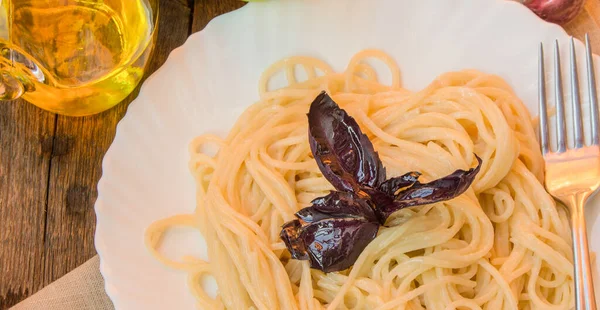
74, 57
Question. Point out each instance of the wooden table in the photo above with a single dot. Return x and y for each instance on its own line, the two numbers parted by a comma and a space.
50, 164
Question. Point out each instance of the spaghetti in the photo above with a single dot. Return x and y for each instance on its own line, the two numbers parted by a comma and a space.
502, 245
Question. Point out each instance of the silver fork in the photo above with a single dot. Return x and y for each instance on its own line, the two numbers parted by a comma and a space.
573, 174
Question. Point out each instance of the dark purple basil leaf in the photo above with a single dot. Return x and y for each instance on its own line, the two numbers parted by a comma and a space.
441, 189
392, 185
290, 233
335, 229
335, 244
345, 155
379, 200
338, 205
332, 232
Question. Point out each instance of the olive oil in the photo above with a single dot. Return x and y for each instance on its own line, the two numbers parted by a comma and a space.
77, 57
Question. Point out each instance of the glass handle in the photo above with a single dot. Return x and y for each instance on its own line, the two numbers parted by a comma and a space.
10, 87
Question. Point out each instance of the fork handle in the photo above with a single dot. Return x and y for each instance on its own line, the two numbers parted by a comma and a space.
585, 298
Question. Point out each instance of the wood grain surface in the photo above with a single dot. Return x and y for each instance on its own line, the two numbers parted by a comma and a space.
50, 165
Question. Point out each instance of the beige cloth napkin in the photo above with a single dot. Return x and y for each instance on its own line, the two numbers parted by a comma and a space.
81, 289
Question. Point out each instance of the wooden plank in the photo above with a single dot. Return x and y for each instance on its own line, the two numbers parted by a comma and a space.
26, 134
205, 10
187, 3
80, 145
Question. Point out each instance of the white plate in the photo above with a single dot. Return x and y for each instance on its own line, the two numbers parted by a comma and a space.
207, 83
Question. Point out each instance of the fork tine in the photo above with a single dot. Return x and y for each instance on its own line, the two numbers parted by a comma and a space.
561, 141
543, 114
592, 91
575, 101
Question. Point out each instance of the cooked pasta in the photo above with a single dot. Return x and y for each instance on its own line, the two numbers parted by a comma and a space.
504, 244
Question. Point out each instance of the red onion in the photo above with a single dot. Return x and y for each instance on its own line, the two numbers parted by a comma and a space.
555, 11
